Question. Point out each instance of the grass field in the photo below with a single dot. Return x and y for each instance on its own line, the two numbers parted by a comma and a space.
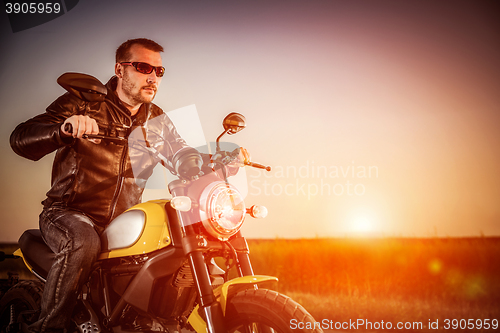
394, 280
407, 280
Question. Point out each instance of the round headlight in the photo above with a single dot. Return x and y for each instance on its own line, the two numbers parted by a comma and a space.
225, 211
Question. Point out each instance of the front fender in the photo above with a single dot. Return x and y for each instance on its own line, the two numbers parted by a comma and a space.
222, 294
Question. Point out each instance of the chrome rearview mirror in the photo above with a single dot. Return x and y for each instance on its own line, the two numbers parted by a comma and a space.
233, 123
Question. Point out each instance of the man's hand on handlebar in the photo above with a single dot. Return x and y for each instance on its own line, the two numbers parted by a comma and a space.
78, 126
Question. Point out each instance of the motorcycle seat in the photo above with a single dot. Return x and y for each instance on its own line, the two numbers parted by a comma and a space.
36, 253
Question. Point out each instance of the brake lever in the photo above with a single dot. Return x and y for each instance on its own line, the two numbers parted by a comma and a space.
257, 165
234, 154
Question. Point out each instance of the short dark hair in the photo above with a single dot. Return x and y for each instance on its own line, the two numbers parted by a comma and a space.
123, 51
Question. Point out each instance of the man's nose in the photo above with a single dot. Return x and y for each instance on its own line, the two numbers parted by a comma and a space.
152, 78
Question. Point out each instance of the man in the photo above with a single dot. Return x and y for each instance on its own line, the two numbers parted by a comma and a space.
92, 181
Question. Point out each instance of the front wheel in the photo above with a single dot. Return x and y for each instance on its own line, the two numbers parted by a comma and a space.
264, 310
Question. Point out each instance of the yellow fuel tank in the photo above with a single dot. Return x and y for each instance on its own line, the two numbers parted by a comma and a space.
141, 229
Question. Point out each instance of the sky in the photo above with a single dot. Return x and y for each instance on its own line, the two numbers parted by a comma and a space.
378, 118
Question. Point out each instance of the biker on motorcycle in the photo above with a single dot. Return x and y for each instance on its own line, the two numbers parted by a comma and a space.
92, 181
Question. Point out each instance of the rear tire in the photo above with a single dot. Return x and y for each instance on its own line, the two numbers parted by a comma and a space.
267, 311
20, 303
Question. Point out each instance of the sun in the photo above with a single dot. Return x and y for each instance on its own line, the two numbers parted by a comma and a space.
362, 224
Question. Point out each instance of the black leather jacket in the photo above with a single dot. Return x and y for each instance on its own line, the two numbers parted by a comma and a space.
100, 180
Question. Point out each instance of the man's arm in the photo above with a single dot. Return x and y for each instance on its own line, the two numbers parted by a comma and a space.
45, 133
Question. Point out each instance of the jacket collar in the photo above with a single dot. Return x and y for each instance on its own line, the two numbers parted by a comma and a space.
144, 110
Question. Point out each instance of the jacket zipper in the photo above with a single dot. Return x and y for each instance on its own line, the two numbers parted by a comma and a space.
120, 184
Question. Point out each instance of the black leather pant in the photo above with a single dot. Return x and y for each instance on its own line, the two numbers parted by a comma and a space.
71, 235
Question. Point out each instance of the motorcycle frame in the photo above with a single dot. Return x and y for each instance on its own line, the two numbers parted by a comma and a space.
187, 242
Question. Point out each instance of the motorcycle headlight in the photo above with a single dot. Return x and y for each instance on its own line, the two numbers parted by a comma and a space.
224, 210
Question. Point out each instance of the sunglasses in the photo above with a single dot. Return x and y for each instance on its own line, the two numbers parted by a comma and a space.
146, 68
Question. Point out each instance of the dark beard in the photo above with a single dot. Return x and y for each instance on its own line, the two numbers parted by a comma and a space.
128, 88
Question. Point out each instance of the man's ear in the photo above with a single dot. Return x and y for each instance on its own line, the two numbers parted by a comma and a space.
119, 70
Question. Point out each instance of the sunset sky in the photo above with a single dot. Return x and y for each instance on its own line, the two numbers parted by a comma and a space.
378, 117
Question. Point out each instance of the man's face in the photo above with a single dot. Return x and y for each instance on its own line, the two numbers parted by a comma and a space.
138, 88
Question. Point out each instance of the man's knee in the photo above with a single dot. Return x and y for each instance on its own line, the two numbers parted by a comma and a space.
88, 242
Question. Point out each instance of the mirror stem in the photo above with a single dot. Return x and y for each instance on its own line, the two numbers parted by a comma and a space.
220, 136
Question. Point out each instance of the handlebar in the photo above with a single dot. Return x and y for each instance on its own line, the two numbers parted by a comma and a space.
69, 128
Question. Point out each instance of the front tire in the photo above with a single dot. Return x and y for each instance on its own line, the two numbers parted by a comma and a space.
267, 311
21, 303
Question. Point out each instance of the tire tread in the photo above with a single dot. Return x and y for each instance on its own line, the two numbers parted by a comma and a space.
282, 305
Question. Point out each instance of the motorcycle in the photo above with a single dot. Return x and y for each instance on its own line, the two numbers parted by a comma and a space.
159, 270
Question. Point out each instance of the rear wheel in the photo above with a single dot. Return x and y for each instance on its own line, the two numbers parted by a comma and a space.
262, 310
21, 303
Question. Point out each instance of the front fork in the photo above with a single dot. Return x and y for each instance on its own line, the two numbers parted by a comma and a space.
209, 304
244, 264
